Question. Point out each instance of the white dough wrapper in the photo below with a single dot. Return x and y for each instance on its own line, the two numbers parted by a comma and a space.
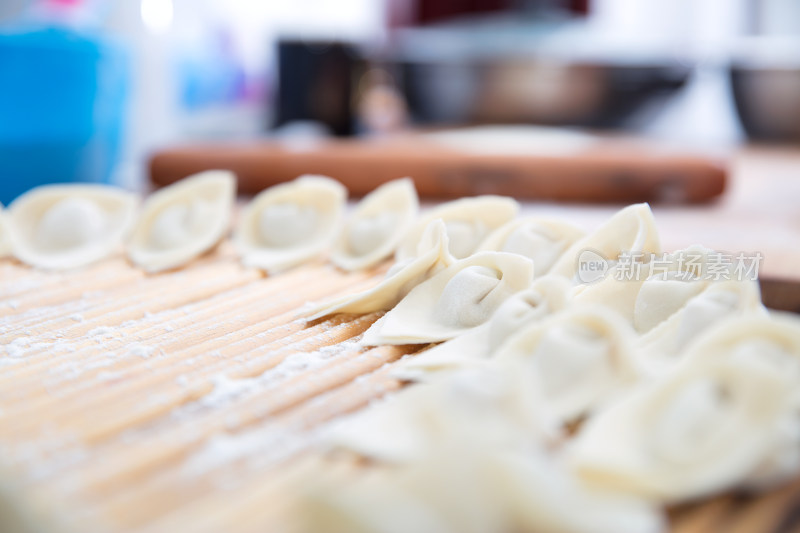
183, 221
432, 257
631, 229
546, 296
648, 292
611, 293
725, 417
495, 405
463, 484
679, 277
543, 240
580, 359
665, 344
454, 301
540, 494
376, 227
774, 340
291, 223
468, 221
59, 227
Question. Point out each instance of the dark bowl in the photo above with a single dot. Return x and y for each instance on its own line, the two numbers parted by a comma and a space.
768, 101
765, 80
531, 91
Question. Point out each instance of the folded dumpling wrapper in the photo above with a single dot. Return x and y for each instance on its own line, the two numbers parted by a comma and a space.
405, 426
543, 240
468, 222
58, 227
580, 358
663, 345
725, 417
539, 494
611, 292
773, 339
667, 290
546, 296
462, 484
432, 257
631, 229
376, 227
395, 500
183, 221
454, 301
648, 291
290, 223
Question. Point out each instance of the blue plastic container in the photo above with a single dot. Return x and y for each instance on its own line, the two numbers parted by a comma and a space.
62, 100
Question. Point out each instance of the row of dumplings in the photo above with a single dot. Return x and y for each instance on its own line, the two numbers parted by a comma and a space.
62, 227
539, 394
68, 226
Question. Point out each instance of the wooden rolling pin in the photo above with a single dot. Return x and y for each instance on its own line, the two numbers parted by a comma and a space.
607, 171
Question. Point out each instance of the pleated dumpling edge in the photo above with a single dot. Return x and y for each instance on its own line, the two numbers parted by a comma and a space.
457, 299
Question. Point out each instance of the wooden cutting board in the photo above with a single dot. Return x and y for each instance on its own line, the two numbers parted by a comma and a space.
187, 401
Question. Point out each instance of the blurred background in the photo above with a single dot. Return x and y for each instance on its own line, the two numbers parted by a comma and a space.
91, 88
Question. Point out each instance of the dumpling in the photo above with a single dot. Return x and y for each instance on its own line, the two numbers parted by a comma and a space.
631, 229
386, 500
660, 296
460, 487
468, 454
468, 221
540, 494
68, 226
668, 287
773, 340
647, 290
457, 299
662, 345
290, 223
610, 292
378, 224
432, 257
580, 358
5, 243
547, 295
180, 222
726, 417
541, 239
406, 425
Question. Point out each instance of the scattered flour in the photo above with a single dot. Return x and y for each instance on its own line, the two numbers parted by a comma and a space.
17, 347
108, 375
102, 331
260, 447
140, 350
227, 389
